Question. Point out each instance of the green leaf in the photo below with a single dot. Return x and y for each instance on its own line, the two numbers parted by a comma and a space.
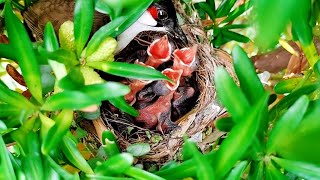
206, 7
62, 124
316, 69
62, 172
273, 173
66, 100
119, 24
237, 171
238, 11
73, 81
249, 81
50, 39
6, 51
127, 70
62, 56
47, 79
139, 149
6, 167
230, 35
302, 143
51, 44
301, 169
102, 34
98, 177
141, 174
279, 18
204, 169
225, 7
83, 21
240, 137
72, 153
22, 46
105, 91
14, 98
287, 124
290, 99
110, 145
115, 165
32, 162
230, 95
224, 124
121, 103
256, 170
286, 86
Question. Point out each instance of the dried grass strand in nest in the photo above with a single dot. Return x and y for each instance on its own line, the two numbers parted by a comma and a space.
206, 110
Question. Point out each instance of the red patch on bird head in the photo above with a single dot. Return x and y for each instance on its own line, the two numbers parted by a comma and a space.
153, 11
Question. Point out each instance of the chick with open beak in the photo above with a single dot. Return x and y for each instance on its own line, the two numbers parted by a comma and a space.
158, 114
186, 60
136, 86
159, 52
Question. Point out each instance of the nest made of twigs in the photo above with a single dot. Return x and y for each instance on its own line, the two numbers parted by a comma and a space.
206, 110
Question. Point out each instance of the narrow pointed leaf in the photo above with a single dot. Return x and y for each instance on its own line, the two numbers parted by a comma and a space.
83, 21
62, 124
105, 91
14, 98
206, 7
62, 172
237, 171
230, 95
127, 70
301, 169
115, 165
225, 7
121, 104
6, 167
118, 25
62, 56
72, 153
22, 46
6, 51
238, 11
272, 172
51, 44
287, 124
239, 138
224, 124
50, 39
249, 81
141, 174
286, 86
66, 100
230, 35
110, 144
102, 33
73, 81
290, 99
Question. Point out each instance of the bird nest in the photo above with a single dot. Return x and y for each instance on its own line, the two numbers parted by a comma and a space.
192, 124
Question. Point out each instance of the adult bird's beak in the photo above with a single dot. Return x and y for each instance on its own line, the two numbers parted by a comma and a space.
159, 52
185, 59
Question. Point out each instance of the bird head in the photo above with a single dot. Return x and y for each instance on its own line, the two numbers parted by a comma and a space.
159, 17
163, 11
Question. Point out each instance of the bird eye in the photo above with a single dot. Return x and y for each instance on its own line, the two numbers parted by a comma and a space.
162, 15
